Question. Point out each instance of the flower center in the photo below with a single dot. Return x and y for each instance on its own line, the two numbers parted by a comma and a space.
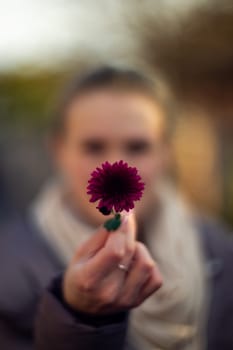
116, 185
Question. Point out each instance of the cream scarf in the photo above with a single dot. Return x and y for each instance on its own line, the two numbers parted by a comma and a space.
173, 317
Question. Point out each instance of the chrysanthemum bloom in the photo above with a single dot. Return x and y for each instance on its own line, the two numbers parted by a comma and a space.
116, 186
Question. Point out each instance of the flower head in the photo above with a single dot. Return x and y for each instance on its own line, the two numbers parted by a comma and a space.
116, 186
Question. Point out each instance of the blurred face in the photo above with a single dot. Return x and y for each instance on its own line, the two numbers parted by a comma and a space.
108, 125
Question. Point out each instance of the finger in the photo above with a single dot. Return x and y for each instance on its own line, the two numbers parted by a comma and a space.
139, 272
118, 245
128, 228
98, 240
100, 274
92, 245
151, 286
107, 259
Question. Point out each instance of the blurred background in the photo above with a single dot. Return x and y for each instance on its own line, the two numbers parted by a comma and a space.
186, 45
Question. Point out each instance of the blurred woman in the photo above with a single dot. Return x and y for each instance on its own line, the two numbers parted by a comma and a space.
112, 114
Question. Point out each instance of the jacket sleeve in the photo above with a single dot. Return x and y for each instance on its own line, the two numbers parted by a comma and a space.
60, 328
13, 339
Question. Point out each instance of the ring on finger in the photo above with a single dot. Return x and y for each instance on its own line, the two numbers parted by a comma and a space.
123, 267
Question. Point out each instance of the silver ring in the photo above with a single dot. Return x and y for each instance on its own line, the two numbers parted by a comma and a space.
123, 267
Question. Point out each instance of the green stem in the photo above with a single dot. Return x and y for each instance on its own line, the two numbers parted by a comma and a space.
114, 223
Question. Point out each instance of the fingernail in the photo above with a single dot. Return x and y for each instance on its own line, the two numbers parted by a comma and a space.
128, 223
124, 223
127, 213
119, 242
125, 218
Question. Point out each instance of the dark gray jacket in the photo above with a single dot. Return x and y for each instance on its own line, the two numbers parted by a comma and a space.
27, 266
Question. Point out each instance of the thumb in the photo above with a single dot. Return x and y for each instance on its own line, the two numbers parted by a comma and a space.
90, 247
129, 227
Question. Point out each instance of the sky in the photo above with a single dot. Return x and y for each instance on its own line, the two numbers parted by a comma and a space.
33, 30
47, 31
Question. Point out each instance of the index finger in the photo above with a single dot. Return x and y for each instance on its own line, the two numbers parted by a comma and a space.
119, 246
92, 245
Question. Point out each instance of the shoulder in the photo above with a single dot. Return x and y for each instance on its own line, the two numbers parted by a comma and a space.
217, 242
216, 236
26, 265
218, 246
21, 242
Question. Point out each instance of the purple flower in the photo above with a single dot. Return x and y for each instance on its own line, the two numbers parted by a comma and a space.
116, 186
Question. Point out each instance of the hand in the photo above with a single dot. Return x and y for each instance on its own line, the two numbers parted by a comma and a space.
94, 283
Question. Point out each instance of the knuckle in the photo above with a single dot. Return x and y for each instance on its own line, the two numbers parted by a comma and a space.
116, 254
157, 278
158, 282
140, 246
142, 250
147, 267
129, 250
107, 297
126, 303
153, 287
87, 285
